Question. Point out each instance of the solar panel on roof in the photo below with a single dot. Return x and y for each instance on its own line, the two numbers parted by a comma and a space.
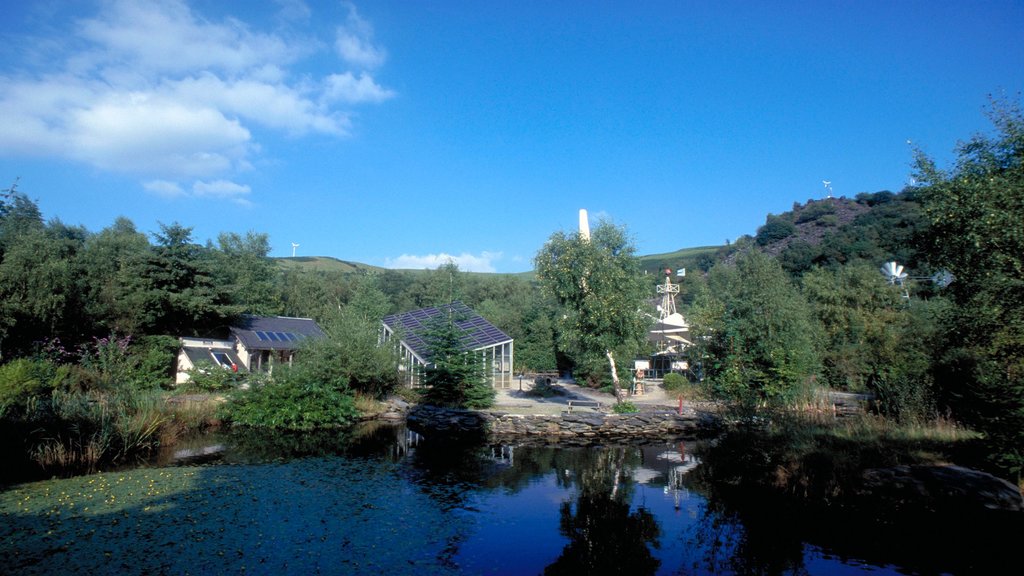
477, 331
262, 336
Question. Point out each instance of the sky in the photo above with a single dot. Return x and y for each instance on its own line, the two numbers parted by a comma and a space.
401, 134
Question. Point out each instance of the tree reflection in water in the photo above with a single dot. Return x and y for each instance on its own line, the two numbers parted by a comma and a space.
605, 535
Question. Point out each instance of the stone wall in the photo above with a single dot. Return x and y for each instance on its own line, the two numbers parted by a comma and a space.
581, 427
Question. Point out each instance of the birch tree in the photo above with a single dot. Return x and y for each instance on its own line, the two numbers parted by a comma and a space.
600, 291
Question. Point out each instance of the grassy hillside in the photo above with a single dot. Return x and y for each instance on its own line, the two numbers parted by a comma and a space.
689, 258
684, 258
323, 263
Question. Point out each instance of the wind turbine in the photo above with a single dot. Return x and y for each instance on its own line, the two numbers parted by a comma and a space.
894, 273
828, 187
294, 246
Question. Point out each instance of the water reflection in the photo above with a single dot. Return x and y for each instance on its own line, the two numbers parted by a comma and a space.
386, 497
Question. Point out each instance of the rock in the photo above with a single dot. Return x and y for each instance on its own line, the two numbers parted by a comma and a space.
940, 488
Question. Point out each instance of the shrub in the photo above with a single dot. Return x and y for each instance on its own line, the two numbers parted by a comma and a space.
23, 379
291, 404
625, 407
209, 378
775, 228
814, 211
674, 382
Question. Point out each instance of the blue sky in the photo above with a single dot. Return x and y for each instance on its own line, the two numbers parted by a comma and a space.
402, 133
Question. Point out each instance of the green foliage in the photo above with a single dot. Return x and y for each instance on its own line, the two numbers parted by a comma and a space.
599, 291
874, 340
154, 361
350, 357
182, 296
815, 210
753, 332
207, 377
674, 382
455, 377
291, 403
975, 212
113, 265
243, 270
23, 379
775, 228
625, 407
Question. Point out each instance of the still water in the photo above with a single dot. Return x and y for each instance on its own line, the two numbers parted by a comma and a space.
388, 501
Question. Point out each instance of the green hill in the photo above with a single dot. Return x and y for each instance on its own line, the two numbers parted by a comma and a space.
323, 264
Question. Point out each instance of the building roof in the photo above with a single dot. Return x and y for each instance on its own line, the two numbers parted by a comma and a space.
412, 326
224, 357
275, 332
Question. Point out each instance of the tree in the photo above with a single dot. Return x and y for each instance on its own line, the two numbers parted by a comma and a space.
600, 292
975, 211
113, 265
181, 294
39, 293
350, 358
244, 270
455, 376
874, 340
753, 331
369, 302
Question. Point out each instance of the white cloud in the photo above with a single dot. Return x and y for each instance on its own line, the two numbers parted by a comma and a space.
294, 10
222, 189
465, 261
164, 188
347, 88
216, 189
166, 37
354, 42
140, 133
158, 90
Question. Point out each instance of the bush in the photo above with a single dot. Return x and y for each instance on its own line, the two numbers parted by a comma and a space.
674, 382
625, 408
23, 379
775, 228
291, 404
209, 378
814, 211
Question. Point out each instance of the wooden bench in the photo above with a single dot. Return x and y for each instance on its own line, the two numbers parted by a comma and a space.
583, 403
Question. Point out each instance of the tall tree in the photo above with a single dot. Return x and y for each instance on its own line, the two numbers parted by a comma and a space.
244, 269
602, 295
976, 210
113, 264
182, 294
455, 376
753, 330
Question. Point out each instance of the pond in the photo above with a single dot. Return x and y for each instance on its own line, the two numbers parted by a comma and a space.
388, 501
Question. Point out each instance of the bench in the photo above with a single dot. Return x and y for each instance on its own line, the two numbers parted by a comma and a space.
583, 403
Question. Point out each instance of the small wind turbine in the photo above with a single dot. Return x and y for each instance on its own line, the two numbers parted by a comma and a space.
894, 273
294, 246
828, 187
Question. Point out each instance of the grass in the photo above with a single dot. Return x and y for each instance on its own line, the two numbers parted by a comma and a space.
815, 458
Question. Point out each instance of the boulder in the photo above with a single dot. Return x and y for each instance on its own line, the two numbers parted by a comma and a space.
939, 489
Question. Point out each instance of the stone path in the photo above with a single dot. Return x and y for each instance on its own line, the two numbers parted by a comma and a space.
512, 400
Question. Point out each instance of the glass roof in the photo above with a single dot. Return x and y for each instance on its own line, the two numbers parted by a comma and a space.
477, 332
